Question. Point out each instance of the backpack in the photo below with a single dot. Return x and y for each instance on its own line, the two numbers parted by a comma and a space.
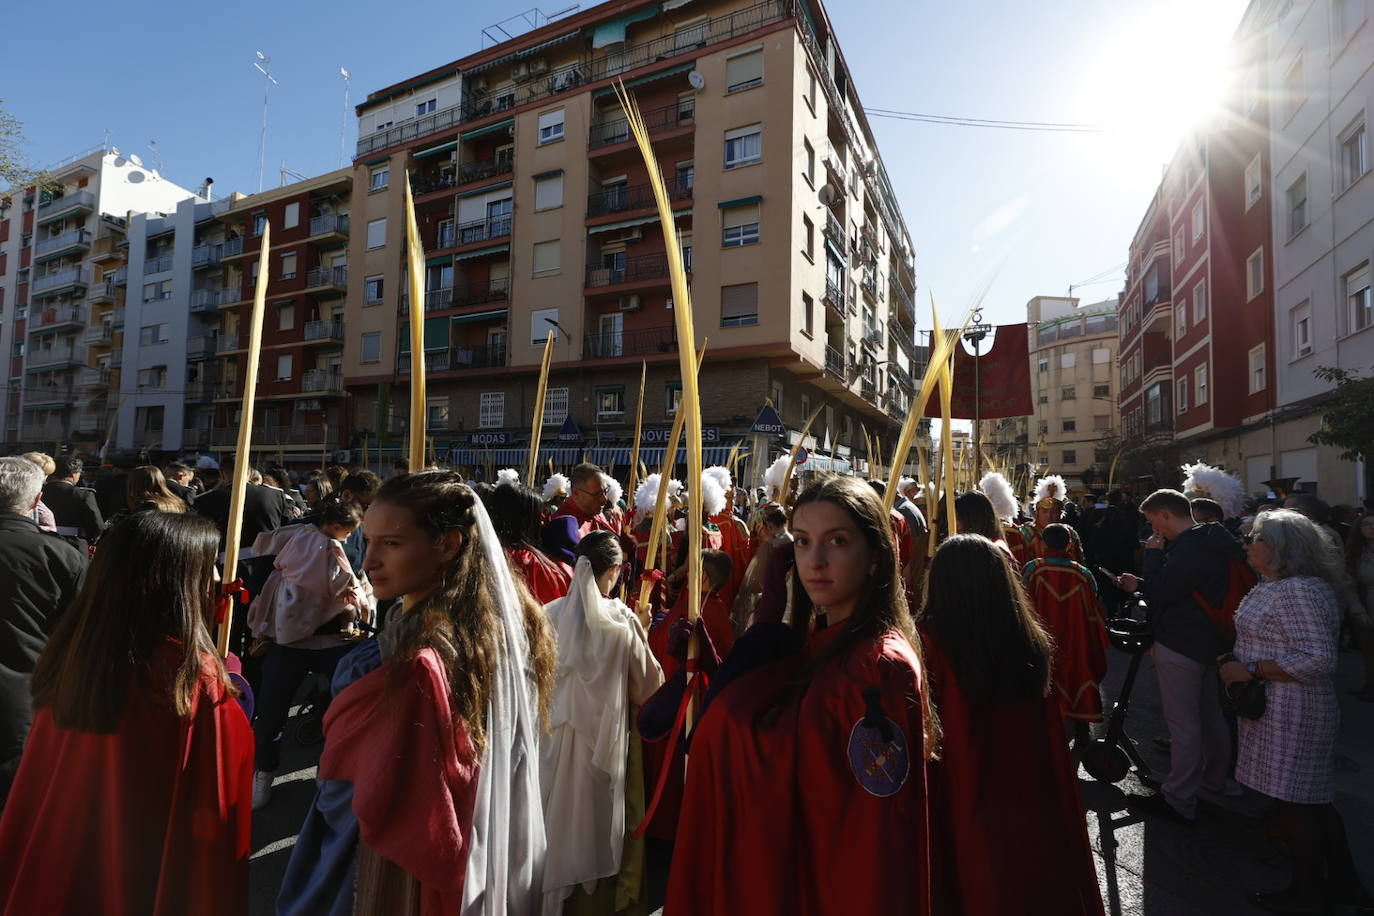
1240, 578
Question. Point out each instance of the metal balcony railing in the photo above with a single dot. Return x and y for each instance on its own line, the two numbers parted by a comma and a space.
231, 247
834, 295
121, 276
60, 279
227, 343
481, 230
78, 238
203, 300
638, 342
621, 198
835, 164
834, 229
657, 120
206, 255
84, 200
61, 393
435, 361
200, 345
98, 335
321, 380
637, 269
50, 431
325, 329
157, 265
93, 377
495, 290
483, 169
834, 362
327, 277
485, 356
330, 222
50, 318
436, 299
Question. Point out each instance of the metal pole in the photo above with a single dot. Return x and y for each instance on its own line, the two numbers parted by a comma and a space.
263, 63
343, 120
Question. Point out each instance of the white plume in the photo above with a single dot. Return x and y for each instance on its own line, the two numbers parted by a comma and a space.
1213, 483
772, 478
508, 475
721, 475
646, 494
613, 489
998, 490
712, 493
555, 485
674, 488
1051, 485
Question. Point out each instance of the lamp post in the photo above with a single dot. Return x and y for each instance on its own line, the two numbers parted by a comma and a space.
264, 66
975, 334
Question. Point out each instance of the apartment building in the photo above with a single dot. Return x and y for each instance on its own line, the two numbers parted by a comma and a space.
536, 215
62, 296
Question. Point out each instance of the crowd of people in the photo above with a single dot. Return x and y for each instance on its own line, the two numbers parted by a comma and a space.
873, 709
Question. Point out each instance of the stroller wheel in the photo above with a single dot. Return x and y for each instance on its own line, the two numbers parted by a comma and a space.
1105, 761
310, 730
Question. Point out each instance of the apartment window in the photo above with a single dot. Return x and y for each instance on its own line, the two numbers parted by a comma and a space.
810, 172
1070, 457
610, 404
808, 314
1302, 329
1068, 393
1181, 320
542, 321
686, 175
739, 305
1102, 421
1199, 219
1360, 308
809, 232
291, 218
162, 289
1043, 365
436, 413
672, 398
740, 225
425, 107
376, 233
1179, 251
286, 317
1297, 206
555, 406
379, 178
1257, 374
744, 71
284, 367
259, 223
1182, 400
372, 289
1069, 426
548, 192
153, 334
149, 419
1294, 88
811, 90
371, 347
1043, 399
1199, 301
775, 392
153, 377
547, 257
288, 267
743, 146
551, 126
1102, 391
1354, 162
1200, 384
1254, 274
491, 410
1068, 360
1254, 187
1101, 356
806, 406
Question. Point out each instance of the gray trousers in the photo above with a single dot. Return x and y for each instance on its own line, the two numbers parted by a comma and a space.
1200, 752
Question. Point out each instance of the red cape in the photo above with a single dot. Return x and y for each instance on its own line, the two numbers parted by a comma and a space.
1005, 813
810, 811
548, 580
152, 819
734, 540
1065, 597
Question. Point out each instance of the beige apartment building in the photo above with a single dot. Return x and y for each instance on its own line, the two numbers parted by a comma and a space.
536, 216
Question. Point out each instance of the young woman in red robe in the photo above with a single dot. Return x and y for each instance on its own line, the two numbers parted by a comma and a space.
134, 793
1006, 821
517, 515
806, 778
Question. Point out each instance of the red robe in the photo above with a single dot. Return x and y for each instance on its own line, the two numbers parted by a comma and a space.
1004, 807
734, 540
548, 580
810, 811
152, 819
901, 533
1065, 597
585, 523
1019, 538
414, 774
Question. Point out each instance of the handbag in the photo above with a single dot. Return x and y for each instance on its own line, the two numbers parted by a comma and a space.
1244, 698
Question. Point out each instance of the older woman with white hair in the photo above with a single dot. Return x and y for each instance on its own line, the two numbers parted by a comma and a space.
1286, 630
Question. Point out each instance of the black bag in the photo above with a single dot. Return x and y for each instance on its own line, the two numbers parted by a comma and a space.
1244, 698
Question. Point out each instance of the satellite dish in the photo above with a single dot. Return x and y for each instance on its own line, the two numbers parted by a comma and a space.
696, 79
120, 162
828, 195
135, 160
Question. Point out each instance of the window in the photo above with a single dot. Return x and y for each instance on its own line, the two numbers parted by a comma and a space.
1200, 384
371, 347
1254, 187
810, 172
292, 217
1357, 298
288, 267
806, 406
1102, 391
259, 223
1069, 426
425, 107
436, 413
379, 178
1070, 457
739, 226
744, 71
809, 232
153, 334
1181, 320
541, 323
551, 126
555, 406
1068, 393
775, 392
547, 256
1294, 88
548, 192
1068, 360
1199, 301
1043, 399
491, 411
1354, 162
286, 317
672, 398
162, 289
1101, 356
739, 305
372, 289
686, 175
1179, 251
610, 404
284, 367
1102, 421
808, 315
1254, 274
1199, 219
376, 233
153, 377
743, 146
1257, 379
1297, 206
1043, 365
1182, 401
1302, 329
811, 90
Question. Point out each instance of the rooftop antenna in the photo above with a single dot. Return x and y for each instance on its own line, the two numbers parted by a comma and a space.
157, 156
264, 66
343, 120
290, 173
105, 143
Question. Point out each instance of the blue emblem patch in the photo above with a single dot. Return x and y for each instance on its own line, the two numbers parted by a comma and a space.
880, 766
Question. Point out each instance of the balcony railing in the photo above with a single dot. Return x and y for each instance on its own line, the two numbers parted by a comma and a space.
157, 265
321, 380
482, 169
481, 230
227, 343
206, 255
84, 200
330, 222
51, 318
429, 182
67, 241
106, 248
200, 345
834, 295
834, 362
495, 290
61, 279
834, 229
93, 377
621, 198
270, 436
435, 361
49, 394
203, 300
657, 120
121, 276
639, 342
835, 165
637, 269
325, 329
98, 335
231, 247
327, 277
115, 316
45, 432
481, 357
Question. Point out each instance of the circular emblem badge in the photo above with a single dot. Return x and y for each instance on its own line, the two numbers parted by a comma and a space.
879, 766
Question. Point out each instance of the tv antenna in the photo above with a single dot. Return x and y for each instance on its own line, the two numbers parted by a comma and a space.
292, 174
264, 66
343, 120
157, 156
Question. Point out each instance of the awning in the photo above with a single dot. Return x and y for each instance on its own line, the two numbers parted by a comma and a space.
674, 4
486, 189
480, 316
740, 202
524, 52
836, 251
436, 335
609, 33
671, 71
627, 223
442, 260
494, 249
377, 160
489, 129
436, 150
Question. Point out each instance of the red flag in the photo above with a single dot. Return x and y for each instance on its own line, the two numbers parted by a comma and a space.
1001, 376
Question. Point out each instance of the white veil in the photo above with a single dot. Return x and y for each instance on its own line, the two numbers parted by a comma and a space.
505, 873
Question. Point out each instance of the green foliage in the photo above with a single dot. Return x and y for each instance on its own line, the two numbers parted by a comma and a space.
15, 172
1348, 418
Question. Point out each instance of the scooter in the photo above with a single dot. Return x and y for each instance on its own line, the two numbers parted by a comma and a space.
1109, 758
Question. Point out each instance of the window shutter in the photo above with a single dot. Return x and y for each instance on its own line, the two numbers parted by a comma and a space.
739, 301
734, 217
744, 70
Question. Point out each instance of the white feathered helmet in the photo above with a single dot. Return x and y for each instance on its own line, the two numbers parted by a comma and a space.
508, 476
712, 492
1206, 481
773, 477
613, 489
997, 489
646, 494
721, 475
556, 486
1050, 493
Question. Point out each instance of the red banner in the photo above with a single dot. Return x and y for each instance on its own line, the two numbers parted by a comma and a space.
1000, 376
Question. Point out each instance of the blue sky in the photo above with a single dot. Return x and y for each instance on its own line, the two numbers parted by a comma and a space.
1033, 212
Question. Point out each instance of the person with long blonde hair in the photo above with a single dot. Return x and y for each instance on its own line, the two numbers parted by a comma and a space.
148, 490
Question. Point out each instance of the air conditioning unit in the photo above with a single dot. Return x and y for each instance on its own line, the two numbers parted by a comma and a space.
629, 303
520, 71
539, 65
342, 456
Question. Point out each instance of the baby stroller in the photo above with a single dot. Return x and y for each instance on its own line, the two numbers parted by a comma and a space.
1109, 757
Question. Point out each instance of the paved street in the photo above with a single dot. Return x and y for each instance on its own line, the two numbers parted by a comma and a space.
1145, 869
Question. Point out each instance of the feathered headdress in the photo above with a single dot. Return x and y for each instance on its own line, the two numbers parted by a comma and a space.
613, 489
1203, 480
772, 478
722, 477
712, 492
646, 494
1050, 493
508, 475
556, 485
998, 490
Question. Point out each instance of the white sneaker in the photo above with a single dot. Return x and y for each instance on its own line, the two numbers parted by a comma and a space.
262, 789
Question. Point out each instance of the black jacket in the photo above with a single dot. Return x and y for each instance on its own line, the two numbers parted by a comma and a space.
41, 574
74, 507
264, 509
187, 495
1198, 560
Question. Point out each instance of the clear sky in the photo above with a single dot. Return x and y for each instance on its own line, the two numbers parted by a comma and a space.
1031, 211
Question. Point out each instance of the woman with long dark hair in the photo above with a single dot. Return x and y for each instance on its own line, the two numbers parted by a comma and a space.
1003, 800
806, 791
133, 795
431, 747
517, 515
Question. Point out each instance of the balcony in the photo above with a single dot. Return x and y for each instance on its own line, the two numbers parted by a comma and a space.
638, 269
227, 343
61, 281
50, 431
435, 361
116, 358
91, 423
202, 391
204, 300
486, 356
47, 319
116, 317
200, 346
66, 205
657, 120
640, 342
834, 229
335, 224
269, 436
206, 256
231, 248
483, 230
834, 296
484, 169
834, 362
59, 394
100, 335
102, 292
107, 248
834, 164
624, 198
873, 336
327, 279
870, 287
494, 290
157, 265
66, 243
326, 330
121, 276
322, 380
93, 377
